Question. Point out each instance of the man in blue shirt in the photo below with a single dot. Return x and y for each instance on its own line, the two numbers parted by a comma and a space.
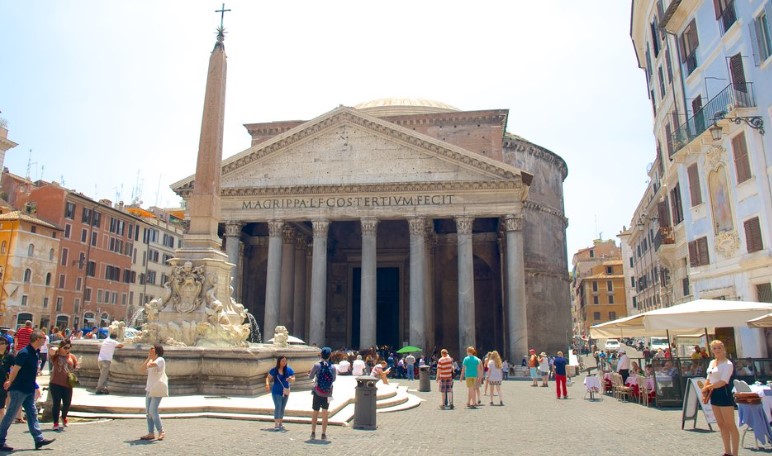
560, 375
21, 388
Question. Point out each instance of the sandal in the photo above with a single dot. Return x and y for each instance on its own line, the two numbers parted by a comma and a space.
147, 437
161, 435
21, 420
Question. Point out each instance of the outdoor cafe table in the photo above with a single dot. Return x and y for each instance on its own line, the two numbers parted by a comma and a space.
593, 386
766, 398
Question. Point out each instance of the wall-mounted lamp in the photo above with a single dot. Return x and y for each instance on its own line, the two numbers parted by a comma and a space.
716, 132
644, 218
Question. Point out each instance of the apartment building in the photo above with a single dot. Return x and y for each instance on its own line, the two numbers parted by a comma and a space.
707, 211
598, 287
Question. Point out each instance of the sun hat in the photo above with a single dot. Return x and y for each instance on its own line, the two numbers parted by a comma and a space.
532, 351
542, 354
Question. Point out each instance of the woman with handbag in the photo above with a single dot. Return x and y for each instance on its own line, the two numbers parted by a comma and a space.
281, 376
157, 387
718, 392
63, 380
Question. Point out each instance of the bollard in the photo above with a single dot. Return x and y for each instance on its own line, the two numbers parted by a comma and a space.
365, 403
424, 379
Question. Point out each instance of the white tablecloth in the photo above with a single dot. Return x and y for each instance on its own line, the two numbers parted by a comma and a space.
592, 382
766, 398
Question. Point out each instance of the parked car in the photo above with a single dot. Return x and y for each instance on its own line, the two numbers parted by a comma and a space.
611, 345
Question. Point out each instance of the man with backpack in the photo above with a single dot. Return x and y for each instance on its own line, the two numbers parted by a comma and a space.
323, 374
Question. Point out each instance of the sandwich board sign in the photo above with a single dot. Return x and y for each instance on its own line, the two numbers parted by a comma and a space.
693, 403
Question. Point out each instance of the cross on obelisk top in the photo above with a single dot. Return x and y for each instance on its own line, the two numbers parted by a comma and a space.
222, 12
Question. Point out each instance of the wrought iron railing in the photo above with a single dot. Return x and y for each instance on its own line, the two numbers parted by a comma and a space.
735, 95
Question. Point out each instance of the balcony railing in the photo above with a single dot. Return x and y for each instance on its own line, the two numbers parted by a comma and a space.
732, 97
665, 235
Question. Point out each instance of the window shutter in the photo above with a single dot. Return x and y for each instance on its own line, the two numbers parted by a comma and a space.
694, 185
737, 71
702, 251
693, 255
753, 235
663, 215
741, 162
717, 8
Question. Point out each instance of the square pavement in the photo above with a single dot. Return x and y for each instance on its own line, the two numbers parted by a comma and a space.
532, 422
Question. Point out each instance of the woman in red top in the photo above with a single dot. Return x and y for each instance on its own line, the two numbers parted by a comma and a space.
62, 362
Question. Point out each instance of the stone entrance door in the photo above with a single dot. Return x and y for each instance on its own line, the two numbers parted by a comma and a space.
388, 308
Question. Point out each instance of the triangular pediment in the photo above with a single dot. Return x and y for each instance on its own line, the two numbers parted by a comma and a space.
347, 147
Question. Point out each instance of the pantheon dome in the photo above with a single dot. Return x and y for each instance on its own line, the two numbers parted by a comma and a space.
396, 106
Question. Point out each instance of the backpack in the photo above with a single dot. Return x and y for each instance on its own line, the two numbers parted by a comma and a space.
324, 378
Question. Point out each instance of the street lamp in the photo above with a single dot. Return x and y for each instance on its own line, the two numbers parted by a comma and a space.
716, 132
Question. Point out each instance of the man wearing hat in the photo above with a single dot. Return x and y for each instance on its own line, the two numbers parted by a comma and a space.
623, 365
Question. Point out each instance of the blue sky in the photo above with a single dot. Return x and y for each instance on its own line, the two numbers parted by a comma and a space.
108, 95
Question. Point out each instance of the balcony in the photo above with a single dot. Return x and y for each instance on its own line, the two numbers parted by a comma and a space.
665, 235
734, 96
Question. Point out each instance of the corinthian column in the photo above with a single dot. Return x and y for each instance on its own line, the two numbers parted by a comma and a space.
287, 277
299, 298
429, 286
417, 259
466, 321
232, 243
517, 318
273, 279
316, 331
367, 309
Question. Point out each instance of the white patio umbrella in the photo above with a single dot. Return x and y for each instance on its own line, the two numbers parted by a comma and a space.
761, 322
705, 313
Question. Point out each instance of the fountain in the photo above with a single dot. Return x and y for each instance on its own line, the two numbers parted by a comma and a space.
197, 320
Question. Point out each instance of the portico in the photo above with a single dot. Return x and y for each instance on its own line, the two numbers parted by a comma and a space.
326, 219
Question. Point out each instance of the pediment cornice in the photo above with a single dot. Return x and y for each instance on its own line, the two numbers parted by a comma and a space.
374, 189
345, 115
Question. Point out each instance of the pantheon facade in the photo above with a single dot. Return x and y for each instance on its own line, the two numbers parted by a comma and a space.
399, 221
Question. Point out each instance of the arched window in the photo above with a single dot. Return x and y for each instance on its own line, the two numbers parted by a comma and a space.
51, 255
31, 250
3, 247
88, 320
27, 275
48, 279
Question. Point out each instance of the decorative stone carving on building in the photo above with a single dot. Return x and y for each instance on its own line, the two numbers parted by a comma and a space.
186, 284
513, 223
464, 225
288, 235
715, 157
320, 227
417, 226
369, 225
275, 228
233, 229
727, 243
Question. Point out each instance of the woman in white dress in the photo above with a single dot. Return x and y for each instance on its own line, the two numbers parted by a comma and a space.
495, 375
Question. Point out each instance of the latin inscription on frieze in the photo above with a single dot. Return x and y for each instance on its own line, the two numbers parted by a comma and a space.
349, 201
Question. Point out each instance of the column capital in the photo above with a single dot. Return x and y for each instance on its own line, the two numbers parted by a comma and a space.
369, 225
321, 227
275, 228
288, 234
233, 228
464, 224
417, 226
513, 222
301, 243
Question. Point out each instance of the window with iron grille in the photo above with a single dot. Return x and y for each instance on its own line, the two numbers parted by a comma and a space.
753, 235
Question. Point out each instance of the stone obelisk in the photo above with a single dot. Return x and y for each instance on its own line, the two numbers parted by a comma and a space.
199, 309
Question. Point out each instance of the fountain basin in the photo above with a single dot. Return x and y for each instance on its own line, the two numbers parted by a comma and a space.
215, 371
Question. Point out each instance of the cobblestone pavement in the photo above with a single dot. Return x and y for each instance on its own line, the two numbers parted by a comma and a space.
532, 422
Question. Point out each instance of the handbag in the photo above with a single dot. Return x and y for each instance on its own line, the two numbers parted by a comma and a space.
72, 380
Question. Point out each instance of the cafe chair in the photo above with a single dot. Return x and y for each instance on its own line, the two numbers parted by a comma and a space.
741, 386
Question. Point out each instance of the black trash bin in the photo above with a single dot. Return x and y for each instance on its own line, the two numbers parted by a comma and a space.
424, 379
365, 403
